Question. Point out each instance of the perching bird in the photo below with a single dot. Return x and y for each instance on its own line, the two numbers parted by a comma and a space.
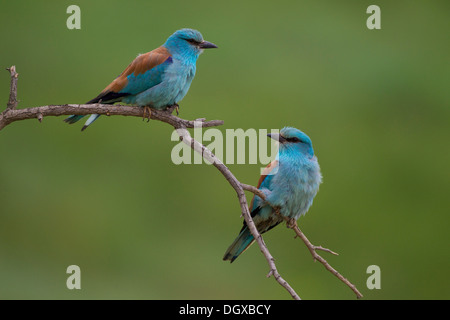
290, 183
156, 79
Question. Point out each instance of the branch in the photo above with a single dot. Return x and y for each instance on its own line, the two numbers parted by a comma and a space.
238, 187
11, 115
292, 224
312, 248
12, 103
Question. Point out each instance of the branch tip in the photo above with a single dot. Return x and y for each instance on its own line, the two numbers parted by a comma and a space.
292, 224
12, 102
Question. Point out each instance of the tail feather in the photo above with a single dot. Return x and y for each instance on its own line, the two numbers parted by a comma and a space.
107, 97
91, 119
72, 119
239, 245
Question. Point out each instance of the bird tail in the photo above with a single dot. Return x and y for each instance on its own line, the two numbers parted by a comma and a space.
91, 119
74, 118
239, 245
107, 97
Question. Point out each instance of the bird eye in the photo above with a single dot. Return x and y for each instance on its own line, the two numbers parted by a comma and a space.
293, 139
192, 41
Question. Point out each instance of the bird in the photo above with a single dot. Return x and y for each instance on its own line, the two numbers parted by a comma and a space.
157, 79
290, 183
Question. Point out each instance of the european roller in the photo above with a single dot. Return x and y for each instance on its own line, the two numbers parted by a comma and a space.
156, 79
290, 183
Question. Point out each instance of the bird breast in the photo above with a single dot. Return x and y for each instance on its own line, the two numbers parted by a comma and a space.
179, 77
301, 183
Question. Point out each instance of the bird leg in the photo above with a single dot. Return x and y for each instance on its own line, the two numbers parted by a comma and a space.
176, 106
149, 111
291, 223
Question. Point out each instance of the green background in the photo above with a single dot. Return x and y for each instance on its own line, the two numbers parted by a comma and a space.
375, 103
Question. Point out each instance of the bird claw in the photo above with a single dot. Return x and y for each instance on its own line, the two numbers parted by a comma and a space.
149, 111
290, 223
172, 107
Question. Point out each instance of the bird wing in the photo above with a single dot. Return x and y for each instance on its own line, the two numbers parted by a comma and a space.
143, 73
256, 210
264, 182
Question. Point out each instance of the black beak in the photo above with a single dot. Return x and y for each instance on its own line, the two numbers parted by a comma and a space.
206, 45
278, 137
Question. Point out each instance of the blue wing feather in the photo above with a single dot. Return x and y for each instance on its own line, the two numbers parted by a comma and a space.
144, 81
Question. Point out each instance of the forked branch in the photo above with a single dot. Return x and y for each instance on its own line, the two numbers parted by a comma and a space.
12, 114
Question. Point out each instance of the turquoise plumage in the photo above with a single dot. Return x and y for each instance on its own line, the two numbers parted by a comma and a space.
156, 79
290, 183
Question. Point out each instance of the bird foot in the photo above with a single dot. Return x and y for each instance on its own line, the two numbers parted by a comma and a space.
291, 223
172, 107
177, 108
149, 111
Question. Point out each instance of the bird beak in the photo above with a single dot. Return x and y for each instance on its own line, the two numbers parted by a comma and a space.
278, 137
206, 45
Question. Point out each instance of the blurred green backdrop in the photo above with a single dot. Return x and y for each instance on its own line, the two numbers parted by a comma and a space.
375, 103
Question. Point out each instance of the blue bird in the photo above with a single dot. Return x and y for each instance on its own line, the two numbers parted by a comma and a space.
156, 79
290, 183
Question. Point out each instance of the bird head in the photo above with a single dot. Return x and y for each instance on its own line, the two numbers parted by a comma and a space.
293, 139
187, 41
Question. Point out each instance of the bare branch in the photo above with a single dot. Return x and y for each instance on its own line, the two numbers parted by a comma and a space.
312, 248
254, 190
9, 115
12, 103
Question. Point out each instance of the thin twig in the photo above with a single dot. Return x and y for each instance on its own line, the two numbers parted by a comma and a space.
13, 102
254, 190
292, 224
312, 248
